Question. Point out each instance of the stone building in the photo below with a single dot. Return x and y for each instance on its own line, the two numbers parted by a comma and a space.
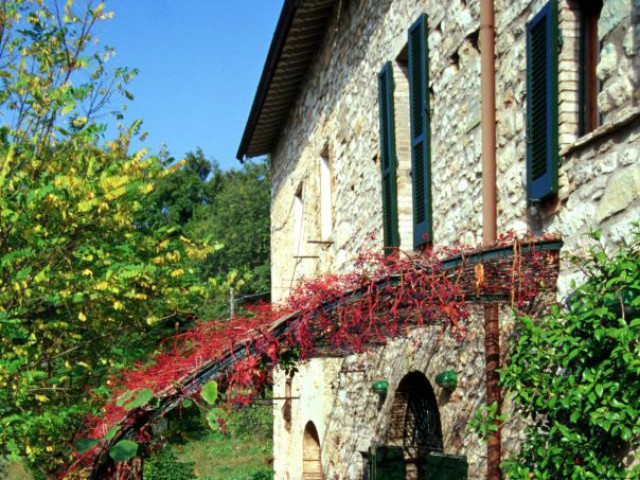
371, 112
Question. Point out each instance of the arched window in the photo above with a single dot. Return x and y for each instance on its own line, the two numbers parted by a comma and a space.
311, 463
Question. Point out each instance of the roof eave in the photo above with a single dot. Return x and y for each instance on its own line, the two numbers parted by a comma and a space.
275, 50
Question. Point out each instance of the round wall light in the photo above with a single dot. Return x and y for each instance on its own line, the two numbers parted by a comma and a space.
381, 387
447, 379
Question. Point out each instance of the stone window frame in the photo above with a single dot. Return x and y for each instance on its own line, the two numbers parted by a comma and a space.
572, 91
298, 217
404, 186
326, 185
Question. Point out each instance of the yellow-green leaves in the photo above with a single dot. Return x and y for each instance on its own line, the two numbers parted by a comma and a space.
209, 392
142, 398
77, 271
79, 276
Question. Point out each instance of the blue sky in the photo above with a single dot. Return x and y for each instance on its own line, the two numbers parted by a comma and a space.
200, 62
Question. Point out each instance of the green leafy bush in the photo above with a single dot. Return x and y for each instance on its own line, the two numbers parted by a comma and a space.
242, 453
576, 373
166, 466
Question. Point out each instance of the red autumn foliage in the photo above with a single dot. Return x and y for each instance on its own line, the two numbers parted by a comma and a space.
381, 297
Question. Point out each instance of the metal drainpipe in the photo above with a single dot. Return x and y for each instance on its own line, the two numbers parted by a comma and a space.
489, 224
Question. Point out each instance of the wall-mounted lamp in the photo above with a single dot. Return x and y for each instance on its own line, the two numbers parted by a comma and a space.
381, 387
447, 379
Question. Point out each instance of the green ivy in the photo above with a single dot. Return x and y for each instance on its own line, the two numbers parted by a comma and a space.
575, 373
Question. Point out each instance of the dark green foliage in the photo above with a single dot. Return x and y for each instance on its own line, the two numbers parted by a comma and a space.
261, 475
252, 422
242, 453
232, 207
576, 373
199, 200
238, 217
124, 450
165, 466
176, 197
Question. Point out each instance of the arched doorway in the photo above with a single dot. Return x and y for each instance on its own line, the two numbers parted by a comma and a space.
415, 424
311, 462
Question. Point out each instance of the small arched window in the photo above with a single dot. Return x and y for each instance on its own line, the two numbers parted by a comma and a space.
311, 461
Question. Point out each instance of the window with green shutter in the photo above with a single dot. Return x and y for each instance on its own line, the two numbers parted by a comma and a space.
542, 104
420, 132
388, 161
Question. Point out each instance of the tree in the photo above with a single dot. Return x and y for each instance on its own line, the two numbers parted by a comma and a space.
82, 284
200, 199
237, 215
178, 195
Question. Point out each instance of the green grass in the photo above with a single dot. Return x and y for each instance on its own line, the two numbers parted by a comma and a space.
221, 457
197, 452
13, 470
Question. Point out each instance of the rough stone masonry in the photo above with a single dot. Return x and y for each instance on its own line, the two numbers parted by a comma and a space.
335, 118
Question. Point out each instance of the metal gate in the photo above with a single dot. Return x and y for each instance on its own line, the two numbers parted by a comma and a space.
414, 447
388, 463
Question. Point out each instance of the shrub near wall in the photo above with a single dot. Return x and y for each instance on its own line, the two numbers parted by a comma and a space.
576, 373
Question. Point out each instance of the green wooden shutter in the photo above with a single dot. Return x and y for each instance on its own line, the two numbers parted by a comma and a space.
420, 133
542, 104
446, 467
388, 161
386, 463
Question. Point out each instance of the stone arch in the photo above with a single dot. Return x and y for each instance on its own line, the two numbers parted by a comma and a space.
415, 422
311, 459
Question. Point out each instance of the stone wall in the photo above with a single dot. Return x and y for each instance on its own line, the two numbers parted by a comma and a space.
307, 399
355, 418
592, 164
336, 115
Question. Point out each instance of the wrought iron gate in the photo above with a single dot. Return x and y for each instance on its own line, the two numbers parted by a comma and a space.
389, 463
415, 450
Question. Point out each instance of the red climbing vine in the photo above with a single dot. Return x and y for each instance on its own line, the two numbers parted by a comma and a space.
381, 297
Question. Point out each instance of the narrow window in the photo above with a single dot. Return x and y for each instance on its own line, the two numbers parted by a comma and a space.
326, 205
420, 132
388, 161
589, 54
286, 408
298, 211
402, 142
311, 460
542, 104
